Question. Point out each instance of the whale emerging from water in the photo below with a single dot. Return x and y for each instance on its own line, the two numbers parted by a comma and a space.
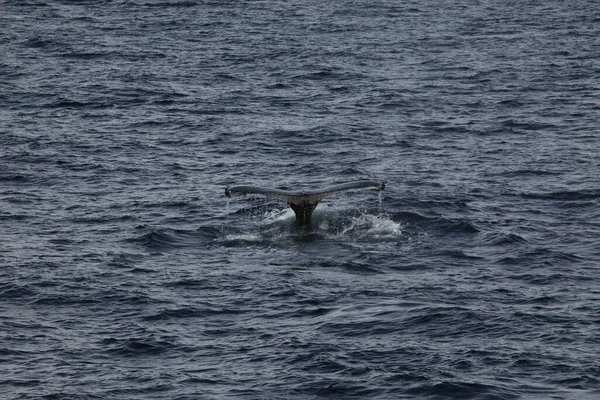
304, 203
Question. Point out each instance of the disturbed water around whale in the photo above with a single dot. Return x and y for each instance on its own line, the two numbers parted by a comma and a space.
125, 273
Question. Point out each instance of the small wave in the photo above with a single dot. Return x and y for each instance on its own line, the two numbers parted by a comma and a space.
125, 260
540, 257
38, 42
523, 172
408, 216
500, 238
278, 85
138, 346
512, 124
54, 299
15, 291
461, 390
327, 74
14, 217
565, 195
159, 239
73, 394
458, 254
166, 238
541, 279
578, 382
457, 225
541, 300
172, 4
191, 283
354, 267
454, 205
188, 312
102, 219
16, 178
83, 55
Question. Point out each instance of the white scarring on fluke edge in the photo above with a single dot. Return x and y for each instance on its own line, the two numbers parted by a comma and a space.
303, 203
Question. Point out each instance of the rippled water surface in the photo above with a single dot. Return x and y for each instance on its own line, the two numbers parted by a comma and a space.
125, 273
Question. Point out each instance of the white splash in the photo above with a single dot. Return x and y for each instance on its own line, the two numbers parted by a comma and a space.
278, 215
244, 237
373, 225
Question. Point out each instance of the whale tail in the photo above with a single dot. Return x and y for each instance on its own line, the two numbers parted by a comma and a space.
304, 203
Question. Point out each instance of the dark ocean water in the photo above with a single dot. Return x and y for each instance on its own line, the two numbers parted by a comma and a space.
125, 273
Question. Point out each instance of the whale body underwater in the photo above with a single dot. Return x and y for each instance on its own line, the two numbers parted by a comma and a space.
304, 202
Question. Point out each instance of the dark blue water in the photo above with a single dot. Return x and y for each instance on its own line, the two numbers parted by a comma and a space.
125, 273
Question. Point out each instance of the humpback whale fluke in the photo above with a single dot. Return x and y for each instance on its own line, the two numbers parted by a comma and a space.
304, 203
